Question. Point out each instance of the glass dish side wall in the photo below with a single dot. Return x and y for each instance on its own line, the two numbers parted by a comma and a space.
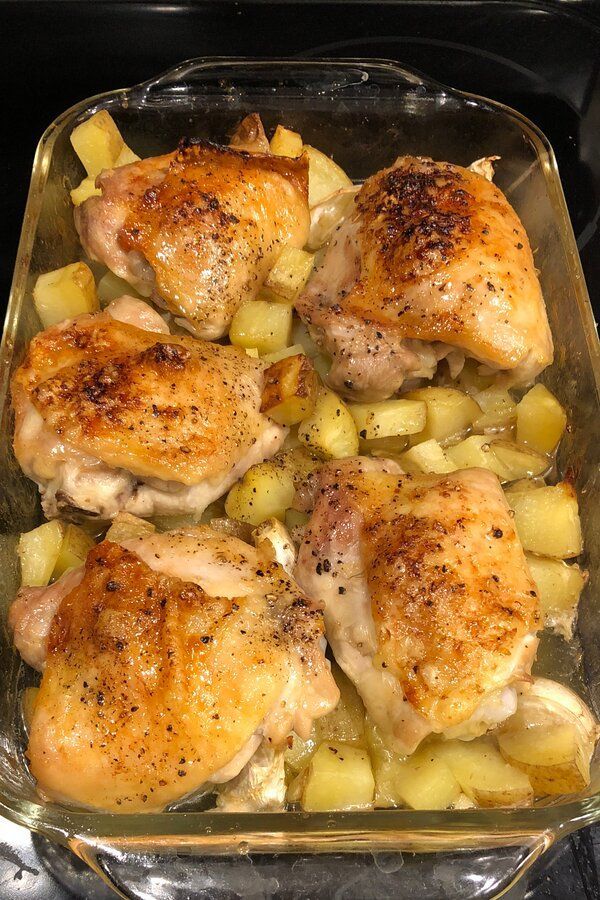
364, 115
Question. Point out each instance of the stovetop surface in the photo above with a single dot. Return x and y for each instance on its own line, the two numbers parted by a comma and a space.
543, 59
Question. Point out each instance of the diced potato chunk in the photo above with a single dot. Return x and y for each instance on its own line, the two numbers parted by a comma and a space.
125, 527
65, 293
339, 777
265, 491
507, 460
110, 287
551, 737
86, 188
289, 275
559, 587
126, 157
73, 551
541, 420
499, 410
262, 324
286, 142
427, 457
330, 429
324, 176
449, 413
484, 776
293, 350
425, 781
38, 551
290, 390
388, 418
97, 142
547, 520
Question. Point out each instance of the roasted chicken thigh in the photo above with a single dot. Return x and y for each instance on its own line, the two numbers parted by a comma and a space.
429, 605
432, 263
168, 662
113, 414
198, 229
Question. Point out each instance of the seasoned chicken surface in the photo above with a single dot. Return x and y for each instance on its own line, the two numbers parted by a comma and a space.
112, 416
169, 662
197, 229
433, 263
429, 605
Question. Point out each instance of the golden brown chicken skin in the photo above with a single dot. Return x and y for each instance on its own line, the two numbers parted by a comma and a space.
156, 684
112, 416
429, 605
198, 229
433, 263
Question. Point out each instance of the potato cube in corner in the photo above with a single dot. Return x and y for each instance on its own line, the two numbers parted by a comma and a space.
97, 142
286, 142
290, 390
65, 293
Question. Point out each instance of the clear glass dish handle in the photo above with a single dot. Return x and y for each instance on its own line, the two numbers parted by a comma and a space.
178, 874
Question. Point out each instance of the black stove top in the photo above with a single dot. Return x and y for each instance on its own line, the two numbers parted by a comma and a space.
540, 58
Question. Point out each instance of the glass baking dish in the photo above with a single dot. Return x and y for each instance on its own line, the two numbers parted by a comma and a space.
364, 114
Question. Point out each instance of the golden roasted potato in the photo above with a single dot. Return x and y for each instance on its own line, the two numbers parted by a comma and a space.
286, 142
65, 293
427, 457
484, 775
449, 413
559, 588
338, 777
38, 552
324, 176
125, 527
266, 491
541, 420
330, 429
388, 418
97, 142
290, 390
262, 325
547, 520
86, 188
425, 781
509, 461
551, 737
498, 410
289, 275
73, 550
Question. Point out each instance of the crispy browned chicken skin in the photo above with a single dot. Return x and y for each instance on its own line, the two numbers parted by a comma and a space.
168, 663
429, 605
197, 229
433, 263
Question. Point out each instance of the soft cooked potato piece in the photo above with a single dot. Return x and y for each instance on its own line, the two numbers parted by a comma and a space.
388, 418
547, 520
73, 551
449, 413
507, 460
286, 142
345, 723
551, 737
525, 484
126, 157
339, 777
559, 587
86, 188
299, 463
289, 275
125, 527
65, 293
499, 410
330, 430
425, 781
262, 324
427, 457
110, 287
290, 390
472, 380
293, 350
384, 447
324, 176
38, 552
541, 420
97, 142
484, 775
266, 491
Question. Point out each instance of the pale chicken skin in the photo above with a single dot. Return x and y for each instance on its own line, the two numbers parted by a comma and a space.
169, 663
429, 605
110, 416
432, 263
198, 229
